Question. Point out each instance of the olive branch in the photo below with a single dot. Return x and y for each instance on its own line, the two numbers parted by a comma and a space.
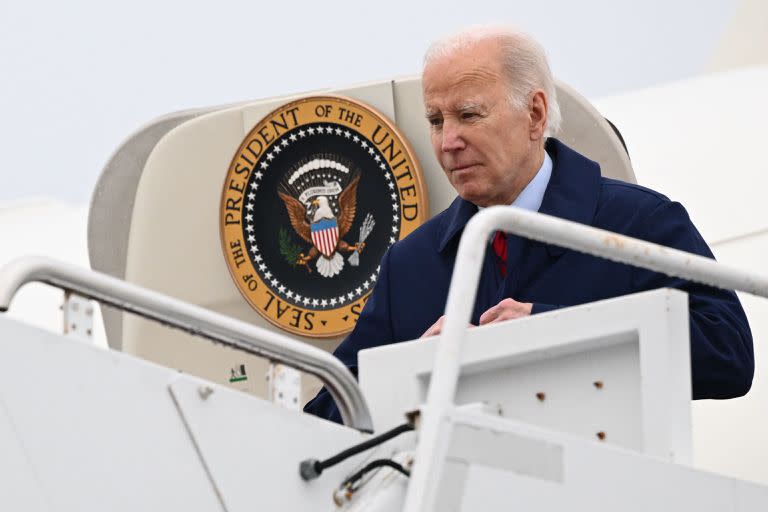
288, 248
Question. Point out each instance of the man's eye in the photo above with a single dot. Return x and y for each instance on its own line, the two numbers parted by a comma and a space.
435, 121
469, 115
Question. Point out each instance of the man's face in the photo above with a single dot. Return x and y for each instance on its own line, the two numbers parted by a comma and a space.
488, 149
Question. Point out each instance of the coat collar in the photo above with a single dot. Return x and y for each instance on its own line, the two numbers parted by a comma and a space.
572, 194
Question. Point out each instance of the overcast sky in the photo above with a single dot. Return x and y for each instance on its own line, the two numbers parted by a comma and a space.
77, 77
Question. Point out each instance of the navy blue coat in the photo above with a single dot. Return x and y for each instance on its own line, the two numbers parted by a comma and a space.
412, 288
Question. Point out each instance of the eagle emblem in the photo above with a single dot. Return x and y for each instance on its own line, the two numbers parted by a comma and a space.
320, 196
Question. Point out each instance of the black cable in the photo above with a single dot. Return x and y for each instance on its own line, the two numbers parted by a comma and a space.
373, 465
310, 469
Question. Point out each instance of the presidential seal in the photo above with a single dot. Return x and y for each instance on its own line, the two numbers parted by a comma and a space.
314, 196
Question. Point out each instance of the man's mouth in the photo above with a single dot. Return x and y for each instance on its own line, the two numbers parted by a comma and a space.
460, 168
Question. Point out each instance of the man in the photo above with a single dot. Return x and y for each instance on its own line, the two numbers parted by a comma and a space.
490, 101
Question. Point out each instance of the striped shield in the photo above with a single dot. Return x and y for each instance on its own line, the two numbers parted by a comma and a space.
325, 236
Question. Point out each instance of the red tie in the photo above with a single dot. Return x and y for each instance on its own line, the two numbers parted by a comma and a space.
500, 248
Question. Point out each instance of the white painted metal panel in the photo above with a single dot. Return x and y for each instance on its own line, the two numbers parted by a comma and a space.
253, 448
635, 346
98, 428
581, 475
20, 482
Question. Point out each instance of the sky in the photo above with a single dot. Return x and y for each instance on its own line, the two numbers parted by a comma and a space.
78, 77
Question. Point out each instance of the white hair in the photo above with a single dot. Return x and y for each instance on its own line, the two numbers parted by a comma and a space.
524, 62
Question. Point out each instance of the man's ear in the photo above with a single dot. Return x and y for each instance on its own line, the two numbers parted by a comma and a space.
537, 112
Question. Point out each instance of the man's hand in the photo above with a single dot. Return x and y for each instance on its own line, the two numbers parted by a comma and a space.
435, 329
507, 309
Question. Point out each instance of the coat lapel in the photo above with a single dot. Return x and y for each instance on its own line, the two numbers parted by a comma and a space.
573, 190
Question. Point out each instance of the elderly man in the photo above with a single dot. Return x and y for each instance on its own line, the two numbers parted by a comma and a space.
490, 102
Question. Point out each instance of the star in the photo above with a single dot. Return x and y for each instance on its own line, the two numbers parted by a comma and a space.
364, 144
293, 137
302, 133
277, 149
394, 229
356, 138
249, 206
281, 288
251, 196
393, 196
377, 158
305, 301
264, 165
350, 295
383, 167
347, 134
257, 257
391, 185
342, 299
315, 302
262, 267
366, 285
392, 240
255, 247
251, 238
387, 176
394, 207
298, 298
289, 294
258, 175
371, 151
311, 130
249, 218
270, 156
323, 302
320, 129
274, 282
333, 301
395, 217
373, 277
358, 290
267, 274
284, 143
249, 228
338, 131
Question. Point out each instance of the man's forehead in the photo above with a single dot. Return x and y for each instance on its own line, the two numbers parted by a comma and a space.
460, 90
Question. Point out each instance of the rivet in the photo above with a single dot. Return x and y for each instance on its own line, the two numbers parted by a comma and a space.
541, 396
598, 384
205, 392
601, 435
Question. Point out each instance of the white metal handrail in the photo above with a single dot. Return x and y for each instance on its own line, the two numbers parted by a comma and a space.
461, 298
195, 320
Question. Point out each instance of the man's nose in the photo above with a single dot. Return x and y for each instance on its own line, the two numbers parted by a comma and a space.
452, 137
